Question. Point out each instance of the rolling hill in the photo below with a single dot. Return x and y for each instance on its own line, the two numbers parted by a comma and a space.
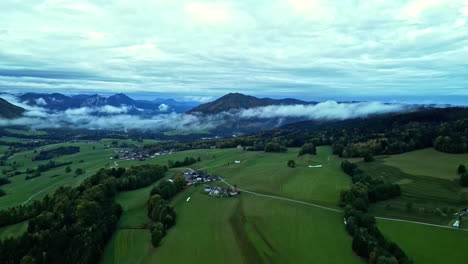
240, 101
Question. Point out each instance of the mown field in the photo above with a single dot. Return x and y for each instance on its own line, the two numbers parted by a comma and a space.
428, 181
426, 244
428, 162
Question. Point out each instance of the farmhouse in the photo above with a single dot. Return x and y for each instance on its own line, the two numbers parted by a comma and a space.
220, 191
193, 177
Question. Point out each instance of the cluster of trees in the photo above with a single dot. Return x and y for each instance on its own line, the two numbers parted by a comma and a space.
463, 175
368, 241
291, 164
186, 162
4, 181
34, 173
53, 153
74, 224
167, 189
138, 177
275, 147
308, 148
160, 211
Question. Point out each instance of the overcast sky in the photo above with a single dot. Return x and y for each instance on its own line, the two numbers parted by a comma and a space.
296, 48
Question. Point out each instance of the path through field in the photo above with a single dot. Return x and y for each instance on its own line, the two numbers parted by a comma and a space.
336, 210
39, 192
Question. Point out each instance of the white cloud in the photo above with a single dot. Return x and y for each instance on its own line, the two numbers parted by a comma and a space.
40, 101
216, 12
163, 107
325, 110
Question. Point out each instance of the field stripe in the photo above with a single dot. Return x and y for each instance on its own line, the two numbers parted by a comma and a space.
339, 211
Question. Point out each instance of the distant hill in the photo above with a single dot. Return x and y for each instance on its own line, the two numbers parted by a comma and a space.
241, 101
10, 111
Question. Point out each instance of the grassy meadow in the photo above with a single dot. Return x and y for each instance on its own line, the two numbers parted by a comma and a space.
246, 229
426, 244
252, 229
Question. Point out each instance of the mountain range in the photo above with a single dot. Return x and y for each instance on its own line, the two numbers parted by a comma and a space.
60, 102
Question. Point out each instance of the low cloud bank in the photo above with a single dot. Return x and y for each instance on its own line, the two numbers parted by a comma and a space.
119, 118
330, 110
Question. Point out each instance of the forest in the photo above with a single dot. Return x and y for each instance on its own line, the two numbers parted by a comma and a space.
74, 224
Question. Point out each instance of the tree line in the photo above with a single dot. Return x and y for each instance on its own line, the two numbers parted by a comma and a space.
186, 162
74, 224
56, 152
368, 242
160, 211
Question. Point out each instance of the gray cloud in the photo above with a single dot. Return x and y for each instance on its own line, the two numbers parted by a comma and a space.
280, 47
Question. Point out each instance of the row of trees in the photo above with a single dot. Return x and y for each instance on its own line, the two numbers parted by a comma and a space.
368, 241
56, 152
463, 175
275, 147
160, 211
74, 224
186, 162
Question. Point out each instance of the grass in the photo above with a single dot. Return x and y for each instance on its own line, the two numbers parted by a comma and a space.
13, 230
245, 229
426, 244
424, 192
20, 190
428, 162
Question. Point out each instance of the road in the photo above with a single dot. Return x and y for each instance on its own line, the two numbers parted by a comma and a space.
337, 210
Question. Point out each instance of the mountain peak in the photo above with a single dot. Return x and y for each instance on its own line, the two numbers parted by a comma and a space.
233, 101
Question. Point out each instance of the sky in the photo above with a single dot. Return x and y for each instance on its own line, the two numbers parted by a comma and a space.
394, 50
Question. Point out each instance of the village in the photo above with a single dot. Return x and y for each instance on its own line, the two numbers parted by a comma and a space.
194, 177
141, 155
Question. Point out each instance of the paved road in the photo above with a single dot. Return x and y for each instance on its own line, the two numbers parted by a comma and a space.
337, 210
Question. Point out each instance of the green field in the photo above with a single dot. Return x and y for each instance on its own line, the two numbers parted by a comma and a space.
13, 230
427, 191
253, 229
246, 229
426, 244
21, 190
428, 162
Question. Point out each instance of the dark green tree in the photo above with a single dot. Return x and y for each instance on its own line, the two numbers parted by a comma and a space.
308, 148
291, 163
461, 169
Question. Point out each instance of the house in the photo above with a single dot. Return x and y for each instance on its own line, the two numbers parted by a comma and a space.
237, 161
456, 224
207, 188
239, 146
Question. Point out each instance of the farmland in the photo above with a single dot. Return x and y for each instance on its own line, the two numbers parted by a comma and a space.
253, 229
426, 244
248, 228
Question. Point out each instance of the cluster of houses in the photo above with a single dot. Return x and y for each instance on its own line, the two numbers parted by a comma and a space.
194, 177
141, 155
220, 191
